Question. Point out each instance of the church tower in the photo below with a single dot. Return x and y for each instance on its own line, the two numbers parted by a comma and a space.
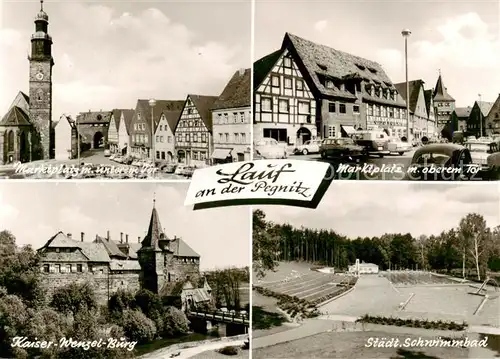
40, 89
444, 104
153, 255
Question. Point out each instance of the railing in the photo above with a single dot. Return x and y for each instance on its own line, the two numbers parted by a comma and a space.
222, 317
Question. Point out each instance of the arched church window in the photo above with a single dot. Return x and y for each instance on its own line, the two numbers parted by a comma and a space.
10, 141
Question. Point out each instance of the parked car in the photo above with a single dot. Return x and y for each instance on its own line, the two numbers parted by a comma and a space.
188, 171
311, 146
107, 153
397, 146
441, 162
340, 148
169, 168
180, 170
373, 141
493, 162
480, 150
269, 148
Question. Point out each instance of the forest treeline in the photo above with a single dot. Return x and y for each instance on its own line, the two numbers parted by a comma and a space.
470, 248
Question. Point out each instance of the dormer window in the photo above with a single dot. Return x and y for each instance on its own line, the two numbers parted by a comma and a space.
361, 67
139, 116
372, 90
99, 117
393, 95
372, 70
329, 84
322, 67
342, 87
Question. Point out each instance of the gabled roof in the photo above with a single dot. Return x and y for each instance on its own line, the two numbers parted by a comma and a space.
440, 91
117, 114
111, 247
160, 107
428, 100
172, 118
203, 104
95, 252
93, 117
323, 61
67, 119
414, 87
127, 117
463, 112
16, 117
262, 67
485, 107
183, 249
236, 93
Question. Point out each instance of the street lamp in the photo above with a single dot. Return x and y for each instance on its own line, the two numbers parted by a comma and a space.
480, 117
152, 103
406, 34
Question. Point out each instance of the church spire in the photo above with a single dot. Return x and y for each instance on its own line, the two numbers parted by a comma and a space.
41, 5
441, 92
155, 231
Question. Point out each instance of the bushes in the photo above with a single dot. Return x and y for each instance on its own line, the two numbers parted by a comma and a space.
138, 327
74, 297
175, 322
228, 350
290, 304
413, 323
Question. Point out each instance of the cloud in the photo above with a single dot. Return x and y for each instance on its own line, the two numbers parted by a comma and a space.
106, 58
372, 209
321, 25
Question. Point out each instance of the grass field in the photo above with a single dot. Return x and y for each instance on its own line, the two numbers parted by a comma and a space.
347, 345
417, 278
213, 354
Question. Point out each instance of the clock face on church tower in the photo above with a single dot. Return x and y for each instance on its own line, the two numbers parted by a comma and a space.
39, 76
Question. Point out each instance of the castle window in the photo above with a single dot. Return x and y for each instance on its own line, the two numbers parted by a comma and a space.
122, 283
99, 117
39, 95
46, 268
101, 271
57, 250
58, 268
68, 268
169, 277
79, 268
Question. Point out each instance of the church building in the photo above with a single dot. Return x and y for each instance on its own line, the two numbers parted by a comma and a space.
26, 130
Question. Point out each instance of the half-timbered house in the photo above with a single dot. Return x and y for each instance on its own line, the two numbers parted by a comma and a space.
345, 93
193, 133
164, 136
124, 130
114, 122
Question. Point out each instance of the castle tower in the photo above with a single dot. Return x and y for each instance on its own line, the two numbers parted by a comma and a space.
152, 257
444, 104
40, 86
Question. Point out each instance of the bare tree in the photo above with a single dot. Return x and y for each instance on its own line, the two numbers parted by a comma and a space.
474, 235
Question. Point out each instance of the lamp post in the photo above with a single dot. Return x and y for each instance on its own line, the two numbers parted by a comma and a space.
480, 117
152, 103
406, 34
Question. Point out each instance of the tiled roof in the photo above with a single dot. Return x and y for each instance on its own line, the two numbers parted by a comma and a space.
236, 93
183, 249
203, 105
160, 107
428, 100
463, 112
127, 117
124, 265
262, 67
172, 118
94, 117
111, 247
16, 117
485, 107
117, 114
199, 295
132, 248
95, 252
26, 97
321, 60
440, 91
414, 92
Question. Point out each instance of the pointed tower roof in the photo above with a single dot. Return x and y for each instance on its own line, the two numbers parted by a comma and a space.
440, 91
155, 231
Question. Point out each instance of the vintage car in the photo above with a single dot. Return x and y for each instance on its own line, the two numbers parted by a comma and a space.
493, 162
107, 153
374, 142
169, 168
269, 148
311, 146
188, 171
340, 148
442, 162
480, 150
180, 170
397, 146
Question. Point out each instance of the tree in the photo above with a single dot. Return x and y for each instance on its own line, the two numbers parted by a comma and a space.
13, 319
119, 302
73, 298
473, 231
176, 323
264, 246
138, 327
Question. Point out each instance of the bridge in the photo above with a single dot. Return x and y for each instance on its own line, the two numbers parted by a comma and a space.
227, 324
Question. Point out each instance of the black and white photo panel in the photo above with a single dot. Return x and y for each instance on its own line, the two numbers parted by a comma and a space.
123, 89
121, 270
383, 270
395, 98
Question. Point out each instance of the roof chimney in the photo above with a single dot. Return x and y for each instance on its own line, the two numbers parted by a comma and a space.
69, 235
107, 236
139, 239
82, 236
96, 236
126, 238
121, 237
241, 72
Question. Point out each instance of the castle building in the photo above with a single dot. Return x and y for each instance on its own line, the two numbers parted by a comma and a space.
26, 131
166, 266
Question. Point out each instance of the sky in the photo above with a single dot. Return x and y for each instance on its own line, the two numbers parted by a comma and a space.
462, 38
34, 212
109, 54
375, 208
